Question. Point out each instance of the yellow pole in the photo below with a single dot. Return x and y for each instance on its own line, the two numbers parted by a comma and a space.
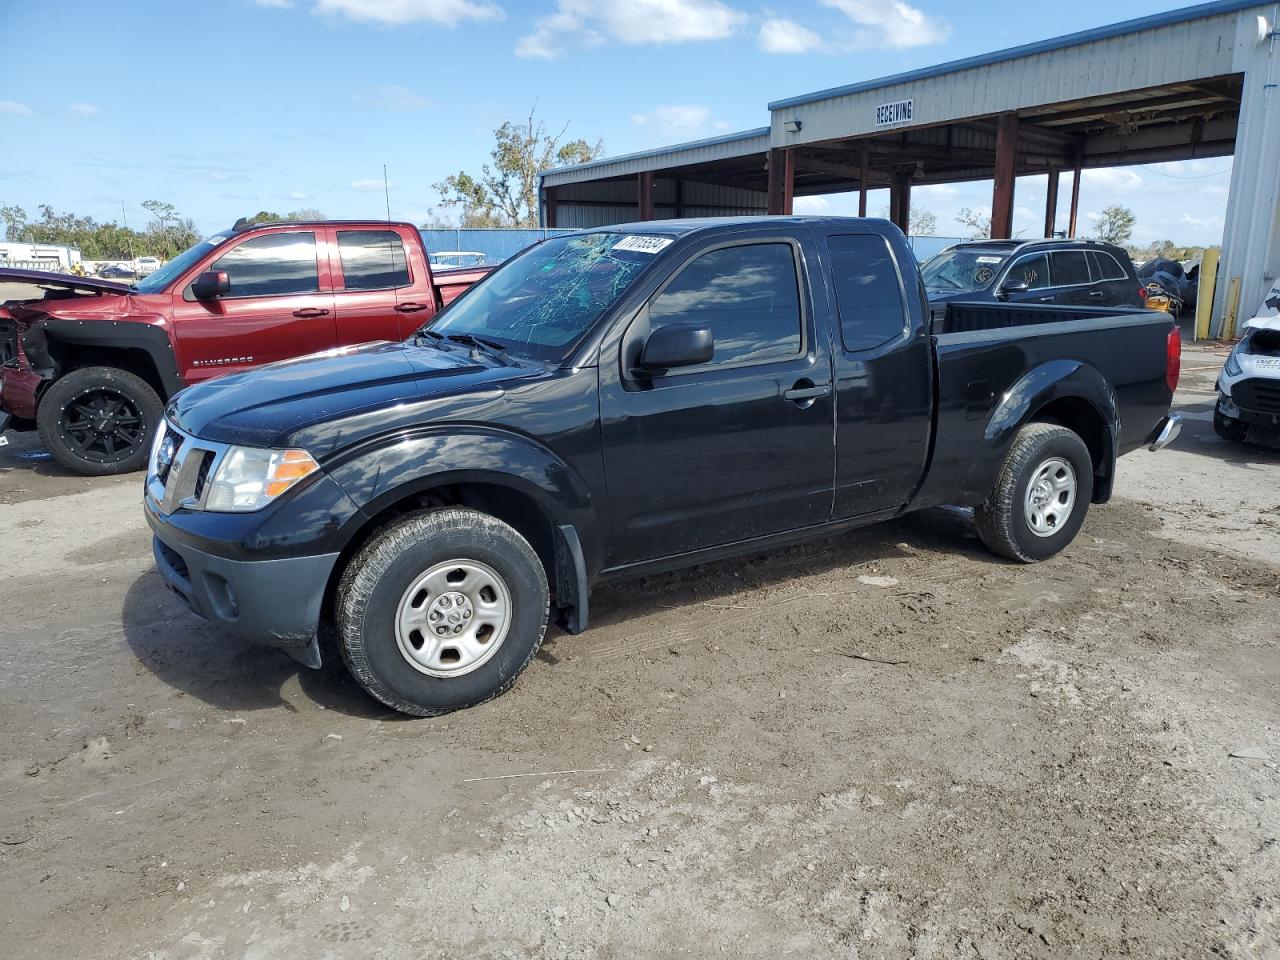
1233, 308
1208, 287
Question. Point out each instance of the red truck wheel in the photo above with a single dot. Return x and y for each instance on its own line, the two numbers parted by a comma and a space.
99, 421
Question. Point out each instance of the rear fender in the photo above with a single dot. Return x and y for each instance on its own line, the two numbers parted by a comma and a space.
1061, 383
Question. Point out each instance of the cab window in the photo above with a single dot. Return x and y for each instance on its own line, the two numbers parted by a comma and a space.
1070, 268
1033, 271
372, 260
868, 294
748, 295
272, 265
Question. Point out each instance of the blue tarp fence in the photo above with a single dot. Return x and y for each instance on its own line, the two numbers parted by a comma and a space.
499, 244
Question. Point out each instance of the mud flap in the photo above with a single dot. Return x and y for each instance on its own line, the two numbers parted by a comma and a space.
308, 656
571, 582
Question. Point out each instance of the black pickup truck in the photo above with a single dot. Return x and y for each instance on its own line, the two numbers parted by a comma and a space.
622, 401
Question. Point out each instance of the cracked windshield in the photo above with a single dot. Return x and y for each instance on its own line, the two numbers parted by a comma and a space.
542, 302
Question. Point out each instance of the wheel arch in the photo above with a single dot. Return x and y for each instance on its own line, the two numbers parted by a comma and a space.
533, 492
57, 346
1072, 394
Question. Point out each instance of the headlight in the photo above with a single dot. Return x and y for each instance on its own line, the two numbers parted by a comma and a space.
1232, 367
248, 478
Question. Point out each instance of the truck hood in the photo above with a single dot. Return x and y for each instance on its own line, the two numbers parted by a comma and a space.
61, 280
328, 400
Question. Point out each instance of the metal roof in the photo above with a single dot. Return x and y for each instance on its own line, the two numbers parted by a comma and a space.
1172, 17
699, 150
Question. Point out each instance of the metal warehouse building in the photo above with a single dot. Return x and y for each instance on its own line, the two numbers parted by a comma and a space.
1197, 82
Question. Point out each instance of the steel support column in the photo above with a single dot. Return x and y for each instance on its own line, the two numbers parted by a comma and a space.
782, 179
865, 171
1051, 204
549, 207
1006, 176
644, 195
900, 200
1075, 197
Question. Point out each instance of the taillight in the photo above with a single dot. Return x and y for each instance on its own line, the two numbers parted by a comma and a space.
1173, 364
1142, 292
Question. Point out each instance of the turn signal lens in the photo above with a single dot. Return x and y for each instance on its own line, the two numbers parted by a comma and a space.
249, 478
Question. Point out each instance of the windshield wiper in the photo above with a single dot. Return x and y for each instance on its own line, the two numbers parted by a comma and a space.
472, 340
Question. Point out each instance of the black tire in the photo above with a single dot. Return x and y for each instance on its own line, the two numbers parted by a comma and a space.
1229, 428
99, 421
1003, 519
377, 579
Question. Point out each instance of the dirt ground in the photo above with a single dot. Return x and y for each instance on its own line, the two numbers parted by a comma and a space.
885, 745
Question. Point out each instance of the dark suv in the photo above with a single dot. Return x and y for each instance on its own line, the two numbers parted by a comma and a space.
1070, 273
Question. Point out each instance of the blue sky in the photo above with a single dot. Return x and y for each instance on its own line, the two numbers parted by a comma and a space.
225, 107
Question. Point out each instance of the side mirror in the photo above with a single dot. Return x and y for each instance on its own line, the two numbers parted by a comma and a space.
677, 345
210, 284
1012, 286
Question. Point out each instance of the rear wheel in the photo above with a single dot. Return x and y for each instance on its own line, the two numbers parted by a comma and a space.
442, 610
99, 420
1041, 496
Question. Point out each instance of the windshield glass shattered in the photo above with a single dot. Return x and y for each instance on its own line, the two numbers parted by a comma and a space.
545, 300
962, 271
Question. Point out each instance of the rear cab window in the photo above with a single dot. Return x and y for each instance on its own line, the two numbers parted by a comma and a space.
869, 296
372, 260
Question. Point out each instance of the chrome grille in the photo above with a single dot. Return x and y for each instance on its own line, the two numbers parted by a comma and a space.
179, 469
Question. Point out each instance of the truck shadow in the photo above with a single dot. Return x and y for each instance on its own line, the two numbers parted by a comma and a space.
1200, 439
191, 656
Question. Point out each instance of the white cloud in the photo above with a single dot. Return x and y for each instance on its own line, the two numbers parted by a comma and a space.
593, 22
780, 35
278, 4
1116, 177
84, 109
392, 98
894, 25
866, 24
297, 195
368, 184
448, 13
14, 107
811, 205
679, 120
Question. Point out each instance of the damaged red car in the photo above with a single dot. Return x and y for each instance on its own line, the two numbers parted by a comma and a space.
91, 363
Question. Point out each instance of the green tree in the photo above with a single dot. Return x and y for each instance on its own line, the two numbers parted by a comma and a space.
15, 221
977, 221
923, 223
1115, 225
306, 213
505, 194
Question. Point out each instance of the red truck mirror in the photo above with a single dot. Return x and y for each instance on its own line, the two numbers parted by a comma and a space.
210, 284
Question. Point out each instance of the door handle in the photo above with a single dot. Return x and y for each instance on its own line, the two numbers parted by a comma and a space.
1046, 299
1097, 294
811, 392
411, 307
308, 312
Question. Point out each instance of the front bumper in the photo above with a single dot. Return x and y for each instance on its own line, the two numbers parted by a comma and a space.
273, 602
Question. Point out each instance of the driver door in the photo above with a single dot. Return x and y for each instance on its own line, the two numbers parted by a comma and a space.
720, 453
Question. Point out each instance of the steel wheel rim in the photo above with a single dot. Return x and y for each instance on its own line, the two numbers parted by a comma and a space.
103, 425
1051, 496
453, 618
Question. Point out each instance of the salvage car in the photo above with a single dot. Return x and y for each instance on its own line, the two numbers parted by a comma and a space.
1064, 272
91, 363
1248, 405
626, 401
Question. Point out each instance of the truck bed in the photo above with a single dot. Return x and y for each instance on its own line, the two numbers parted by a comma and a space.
959, 317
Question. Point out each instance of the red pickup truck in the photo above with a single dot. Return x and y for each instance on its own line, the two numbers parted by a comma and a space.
92, 363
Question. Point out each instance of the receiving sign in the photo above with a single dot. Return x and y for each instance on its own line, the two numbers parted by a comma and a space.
893, 114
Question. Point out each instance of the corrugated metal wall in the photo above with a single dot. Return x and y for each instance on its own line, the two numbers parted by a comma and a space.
682, 154
601, 204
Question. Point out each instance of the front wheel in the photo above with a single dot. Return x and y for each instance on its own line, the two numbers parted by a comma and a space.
442, 610
99, 421
1041, 497
1229, 428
